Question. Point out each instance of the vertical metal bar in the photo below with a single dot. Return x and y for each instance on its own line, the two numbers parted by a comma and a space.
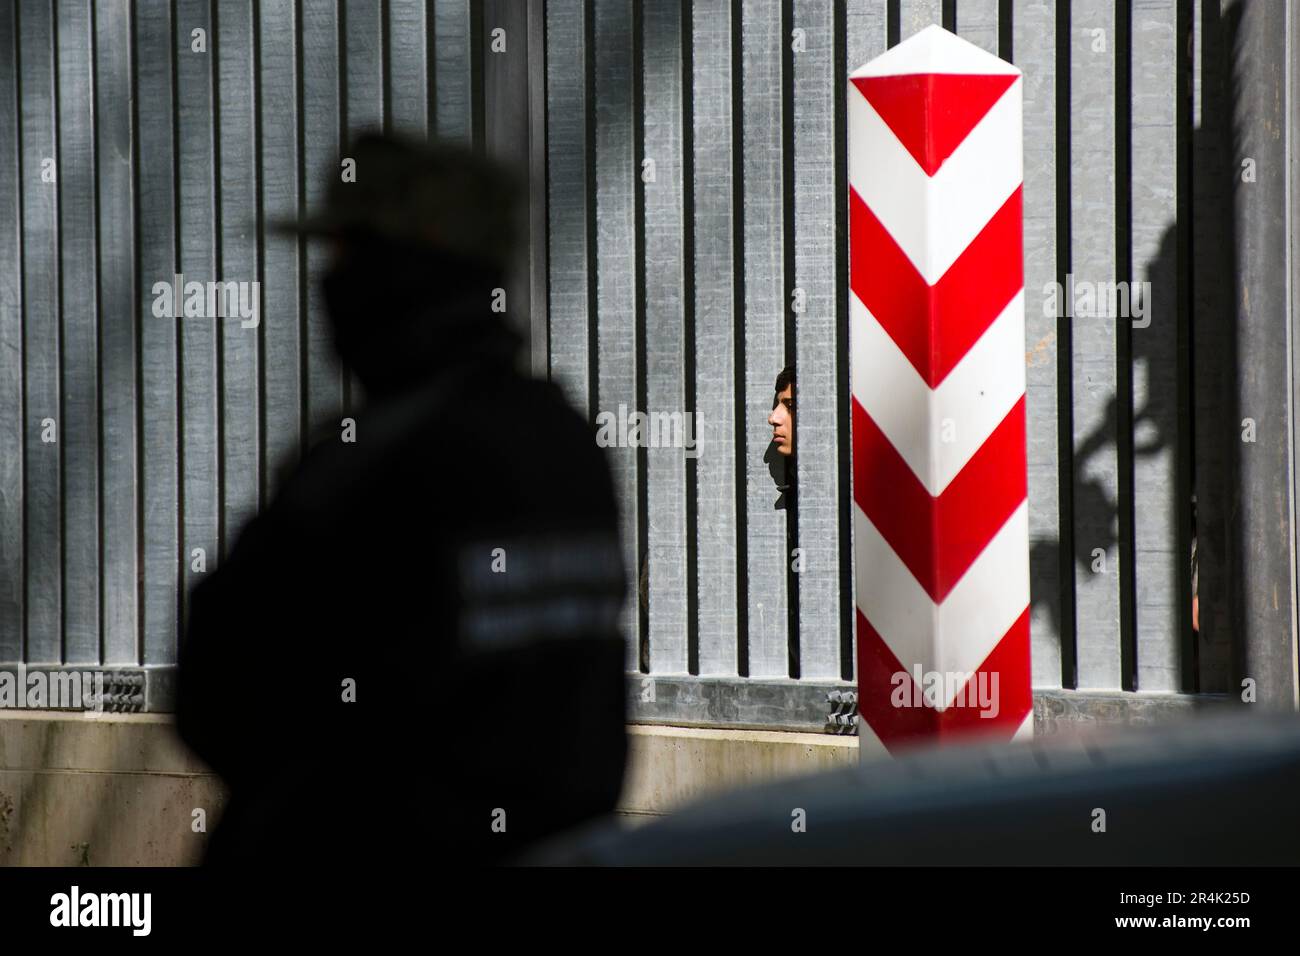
1159, 559
43, 482
567, 151
365, 84
156, 191
12, 419
713, 62
665, 338
538, 255
79, 339
617, 253
115, 158
1217, 423
1263, 116
507, 137
1034, 31
818, 425
278, 169
453, 81
197, 219
867, 34
916, 15
977, 22
408, 67
764, 346
321, 119
1096, 488
241, 439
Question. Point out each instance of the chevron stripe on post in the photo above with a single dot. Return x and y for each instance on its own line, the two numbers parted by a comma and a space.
941, 520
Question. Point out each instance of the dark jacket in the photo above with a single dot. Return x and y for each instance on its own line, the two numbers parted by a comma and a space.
483, 698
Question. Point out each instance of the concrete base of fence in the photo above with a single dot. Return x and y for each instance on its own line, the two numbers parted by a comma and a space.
108, 790
121, 789
670, 766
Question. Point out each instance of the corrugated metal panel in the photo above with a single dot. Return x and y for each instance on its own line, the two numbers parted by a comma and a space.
567, 58
196, 218
136, 148
42, 490
1093, 383
617, 252
761, 141
671, 295
119, 340
1034, 45
78, 334
12, 416
1099, 561
817, 334
281, 390
1158, 371
159, 337
665, 362
713, 82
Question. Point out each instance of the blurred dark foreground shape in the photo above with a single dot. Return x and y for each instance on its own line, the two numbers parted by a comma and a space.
456, 565
1218, 791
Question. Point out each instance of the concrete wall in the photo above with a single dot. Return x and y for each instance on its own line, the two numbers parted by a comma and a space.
109, 790
121, 789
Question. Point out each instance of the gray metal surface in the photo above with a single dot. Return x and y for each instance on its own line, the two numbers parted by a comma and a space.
801, 705
78, 334
42, 488
821, 393
977, 21
665, 291
617, 252
170, 433
716, 193
1034, 43
12, 430
569, 201
409, 62
916, 15
196, 220
321, 119
1163, 614
159, 395
281, 391
1214, 402
765, 350
119, 334
506, 136
454, 80
240, 407
130, 155
1264, 247
1098, 559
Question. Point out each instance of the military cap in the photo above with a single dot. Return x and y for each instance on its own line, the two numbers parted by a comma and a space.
436, 193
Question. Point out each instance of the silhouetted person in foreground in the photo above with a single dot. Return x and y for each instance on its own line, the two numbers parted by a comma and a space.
411, 657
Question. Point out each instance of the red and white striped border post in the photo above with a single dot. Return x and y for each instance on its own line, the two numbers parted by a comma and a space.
941, 520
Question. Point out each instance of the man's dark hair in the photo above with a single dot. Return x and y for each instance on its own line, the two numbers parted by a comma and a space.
785, 378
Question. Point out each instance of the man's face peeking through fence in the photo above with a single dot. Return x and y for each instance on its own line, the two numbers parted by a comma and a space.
782, 417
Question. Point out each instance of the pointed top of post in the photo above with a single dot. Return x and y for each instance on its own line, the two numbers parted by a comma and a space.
934, 50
